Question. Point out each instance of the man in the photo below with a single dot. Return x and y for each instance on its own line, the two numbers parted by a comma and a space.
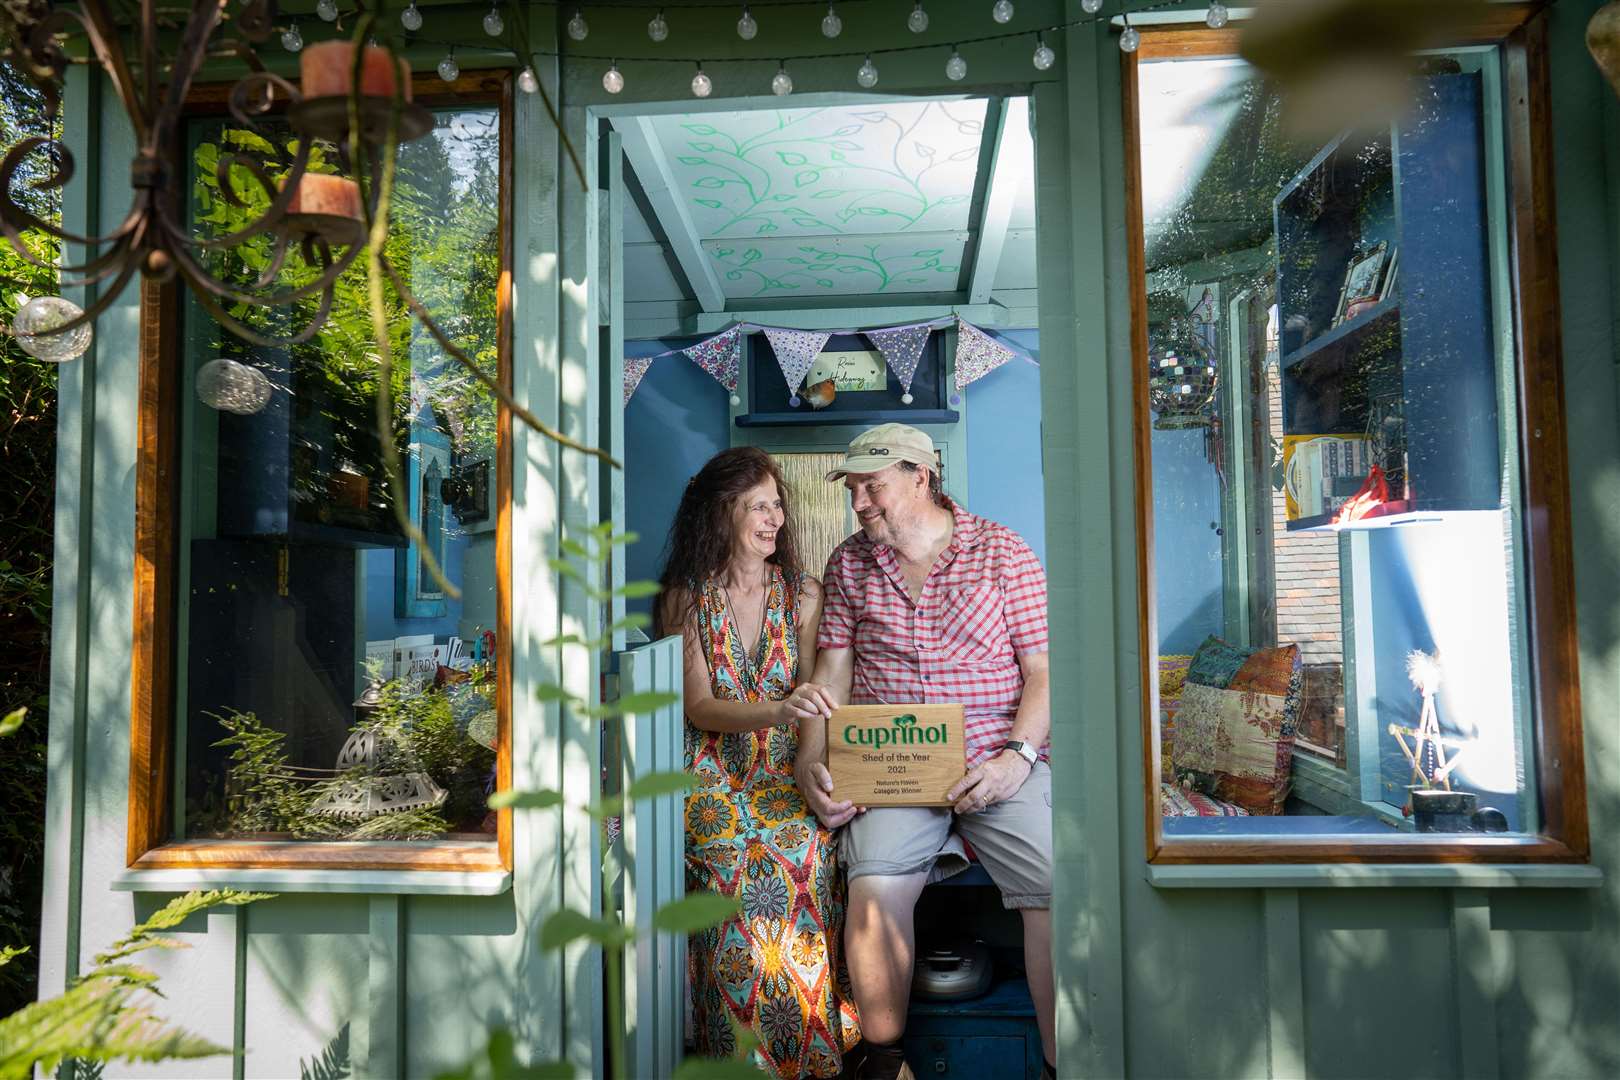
929, 603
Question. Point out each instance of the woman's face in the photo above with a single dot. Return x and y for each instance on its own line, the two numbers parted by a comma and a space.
755, 520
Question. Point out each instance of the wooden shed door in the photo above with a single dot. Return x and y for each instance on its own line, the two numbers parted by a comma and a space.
654, 849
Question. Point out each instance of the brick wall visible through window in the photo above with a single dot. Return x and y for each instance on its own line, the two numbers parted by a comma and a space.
1306, 566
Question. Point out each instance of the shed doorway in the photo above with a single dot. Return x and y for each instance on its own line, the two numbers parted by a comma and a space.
840, 217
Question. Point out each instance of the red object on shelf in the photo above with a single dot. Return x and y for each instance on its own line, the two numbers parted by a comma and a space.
1374, 492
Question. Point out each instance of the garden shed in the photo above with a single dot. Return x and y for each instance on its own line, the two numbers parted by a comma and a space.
1351, 393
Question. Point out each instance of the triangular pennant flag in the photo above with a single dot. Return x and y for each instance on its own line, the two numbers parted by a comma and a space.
901, 347
796, 352
720, 356
977, 354
634, 368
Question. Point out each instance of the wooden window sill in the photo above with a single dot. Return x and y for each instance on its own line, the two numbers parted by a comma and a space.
432, 857
1379, 875
376, 882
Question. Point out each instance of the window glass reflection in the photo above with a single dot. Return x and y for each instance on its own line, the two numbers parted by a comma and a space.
1335, 509
330, 686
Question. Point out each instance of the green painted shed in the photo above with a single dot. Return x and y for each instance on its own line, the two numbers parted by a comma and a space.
1234, 951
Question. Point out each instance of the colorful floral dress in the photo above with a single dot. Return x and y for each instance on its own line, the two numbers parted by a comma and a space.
776, 968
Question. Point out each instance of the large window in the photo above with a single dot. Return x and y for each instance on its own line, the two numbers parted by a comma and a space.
328, 677
1352, 531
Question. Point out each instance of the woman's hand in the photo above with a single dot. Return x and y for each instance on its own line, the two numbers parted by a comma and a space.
809, 701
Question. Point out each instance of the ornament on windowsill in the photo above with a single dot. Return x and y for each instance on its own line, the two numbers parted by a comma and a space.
1427, 752
357, 795
821, 394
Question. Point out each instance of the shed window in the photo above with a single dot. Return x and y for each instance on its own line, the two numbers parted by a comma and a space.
1348, 521
333, 678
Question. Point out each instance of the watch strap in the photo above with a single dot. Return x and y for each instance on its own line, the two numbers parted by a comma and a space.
1022, 749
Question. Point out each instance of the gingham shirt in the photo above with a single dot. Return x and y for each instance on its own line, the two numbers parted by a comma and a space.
982, 606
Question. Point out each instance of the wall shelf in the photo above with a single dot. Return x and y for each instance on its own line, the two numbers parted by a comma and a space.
1346, 335
808, 417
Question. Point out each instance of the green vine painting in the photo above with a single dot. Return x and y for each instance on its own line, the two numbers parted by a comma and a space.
861, 199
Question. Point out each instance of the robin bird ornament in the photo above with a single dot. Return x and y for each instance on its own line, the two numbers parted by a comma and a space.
821, 394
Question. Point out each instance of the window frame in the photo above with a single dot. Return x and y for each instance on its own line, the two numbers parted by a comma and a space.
151, 798
1520, 32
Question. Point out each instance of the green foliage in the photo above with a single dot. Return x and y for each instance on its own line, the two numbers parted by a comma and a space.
13, 721
106, 1014
333, 1061
27, 506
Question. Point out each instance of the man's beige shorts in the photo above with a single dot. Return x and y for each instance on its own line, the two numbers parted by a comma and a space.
1013, 839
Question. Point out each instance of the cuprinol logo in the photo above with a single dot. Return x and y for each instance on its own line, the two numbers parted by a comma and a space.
902, 731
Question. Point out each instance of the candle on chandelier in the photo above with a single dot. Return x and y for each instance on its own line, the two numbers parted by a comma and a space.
318, 193
327, 70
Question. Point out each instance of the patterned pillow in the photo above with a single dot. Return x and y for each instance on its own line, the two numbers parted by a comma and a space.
1172, 677
1234, 731
1184, 802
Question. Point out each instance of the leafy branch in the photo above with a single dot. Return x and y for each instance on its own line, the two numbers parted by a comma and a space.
104, 1014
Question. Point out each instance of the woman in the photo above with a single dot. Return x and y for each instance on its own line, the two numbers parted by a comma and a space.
734, 591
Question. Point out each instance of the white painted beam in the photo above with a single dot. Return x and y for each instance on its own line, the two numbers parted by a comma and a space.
658, 182
1015, 154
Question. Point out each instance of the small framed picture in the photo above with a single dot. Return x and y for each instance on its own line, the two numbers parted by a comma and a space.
1362, 281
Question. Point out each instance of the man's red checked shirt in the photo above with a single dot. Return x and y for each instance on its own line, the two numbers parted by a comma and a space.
983, 605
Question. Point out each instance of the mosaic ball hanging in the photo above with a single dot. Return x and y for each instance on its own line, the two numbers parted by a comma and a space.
1182, 377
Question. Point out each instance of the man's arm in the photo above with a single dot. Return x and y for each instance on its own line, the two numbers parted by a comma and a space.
1033, 722
835, 671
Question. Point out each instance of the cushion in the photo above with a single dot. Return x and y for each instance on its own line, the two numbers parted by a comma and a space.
1184, 802
1172, 677
1234, 729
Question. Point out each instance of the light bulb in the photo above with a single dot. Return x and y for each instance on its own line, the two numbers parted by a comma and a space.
291, 39
1130, 39
782, 82
701, 86
831, 24
746, 26
234, 387
867, 76
1091, 7
955, 67
612, 80
1002, 11
658, 29
1217, 16
494, 25
577, 28
527, 82
326, 9
1044, 56
449, 70
35, 325
917, 21
411, 18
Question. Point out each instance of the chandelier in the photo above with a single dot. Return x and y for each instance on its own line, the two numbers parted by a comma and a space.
354, 98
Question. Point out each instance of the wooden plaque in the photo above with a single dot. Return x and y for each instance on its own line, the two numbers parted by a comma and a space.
896, 755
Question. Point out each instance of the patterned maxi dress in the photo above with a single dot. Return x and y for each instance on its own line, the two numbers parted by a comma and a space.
776, 967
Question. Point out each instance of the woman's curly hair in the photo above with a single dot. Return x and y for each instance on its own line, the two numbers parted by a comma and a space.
700, 539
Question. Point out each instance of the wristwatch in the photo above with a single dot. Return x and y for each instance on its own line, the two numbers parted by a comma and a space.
1023, 750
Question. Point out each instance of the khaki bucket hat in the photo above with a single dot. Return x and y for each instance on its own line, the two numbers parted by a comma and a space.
885, 445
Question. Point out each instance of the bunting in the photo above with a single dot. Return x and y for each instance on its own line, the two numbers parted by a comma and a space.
635, 367
721, 357
977, 354
796, 352
902, 347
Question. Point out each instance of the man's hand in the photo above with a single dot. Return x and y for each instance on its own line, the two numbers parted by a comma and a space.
996, 779
815, 784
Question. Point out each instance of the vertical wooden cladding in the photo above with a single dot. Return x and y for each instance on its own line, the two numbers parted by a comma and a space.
1520, 32
152, 663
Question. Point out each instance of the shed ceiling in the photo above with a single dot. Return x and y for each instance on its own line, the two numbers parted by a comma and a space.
884, 198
